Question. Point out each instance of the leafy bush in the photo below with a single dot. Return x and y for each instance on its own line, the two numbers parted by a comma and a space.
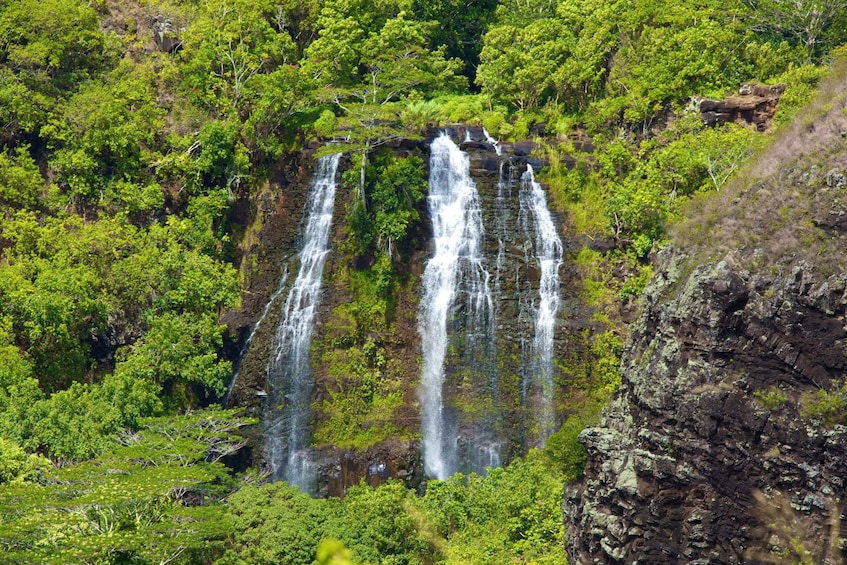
828, 406
276, 524
20, 180
512, 513
51, 43
77, 423
772, 398
104, 136
420, 114
18, 466
564, 450
326, 123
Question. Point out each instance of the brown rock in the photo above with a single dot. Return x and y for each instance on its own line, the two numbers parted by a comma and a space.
720, 474
754, 105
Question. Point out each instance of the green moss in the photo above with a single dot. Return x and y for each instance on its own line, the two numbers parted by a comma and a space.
590, 374
596, 273
364, 389
565, 451
633, 286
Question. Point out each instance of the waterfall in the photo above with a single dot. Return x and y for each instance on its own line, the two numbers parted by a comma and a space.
456, 295
287, 412
256, 326
493, 142
504, 193
548, 255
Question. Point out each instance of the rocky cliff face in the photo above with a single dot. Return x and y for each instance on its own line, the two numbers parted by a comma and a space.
693, 463
267, 249
719, 447
755, 105
508, 409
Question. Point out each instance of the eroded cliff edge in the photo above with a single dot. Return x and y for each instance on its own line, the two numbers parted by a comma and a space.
726, 442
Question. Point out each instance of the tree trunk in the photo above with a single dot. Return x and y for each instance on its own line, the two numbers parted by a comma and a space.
362, 179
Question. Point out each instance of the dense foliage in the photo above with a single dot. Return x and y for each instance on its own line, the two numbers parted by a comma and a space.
151, 497
511, 513
122, 160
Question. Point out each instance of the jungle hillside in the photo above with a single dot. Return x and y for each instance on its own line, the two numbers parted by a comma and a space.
136, 138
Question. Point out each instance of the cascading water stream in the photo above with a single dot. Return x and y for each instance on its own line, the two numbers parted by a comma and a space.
253, 331
493, 142
548, 252
504, 193
287, 412
456, 285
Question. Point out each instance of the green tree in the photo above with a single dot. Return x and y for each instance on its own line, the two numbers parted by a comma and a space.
386, 65
240, 61
804, 22
511, 514
378, 527
55, 309
176, 351
68, 287
21, 184
46, 49
18, 466
460, 28
152, 498
518, 63
333, 552
398, 190
103, 140
277, 523
228, 46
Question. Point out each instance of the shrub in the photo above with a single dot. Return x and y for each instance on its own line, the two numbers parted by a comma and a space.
828, 406
772, 398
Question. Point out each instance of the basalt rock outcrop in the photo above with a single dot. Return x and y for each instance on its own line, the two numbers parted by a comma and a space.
340, 469
754, 105
692, 464
165, 34
717, 448
267, 246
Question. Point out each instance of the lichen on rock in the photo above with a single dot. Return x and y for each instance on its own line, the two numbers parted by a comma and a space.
689, 464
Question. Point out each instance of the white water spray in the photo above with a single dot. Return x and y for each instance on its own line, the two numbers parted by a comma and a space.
455, 268
287, 433
493, 142
548, 253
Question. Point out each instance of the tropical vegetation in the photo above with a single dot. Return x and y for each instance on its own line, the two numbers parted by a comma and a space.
131, 131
